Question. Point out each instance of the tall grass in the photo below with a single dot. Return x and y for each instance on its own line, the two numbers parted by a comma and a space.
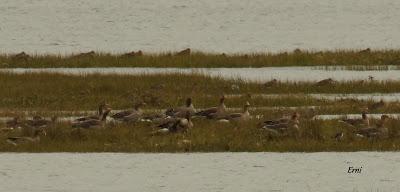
198, 59
66, 92
206, 136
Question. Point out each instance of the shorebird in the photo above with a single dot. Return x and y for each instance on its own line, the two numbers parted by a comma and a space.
92, 123
181, 111
214, 112
132, 115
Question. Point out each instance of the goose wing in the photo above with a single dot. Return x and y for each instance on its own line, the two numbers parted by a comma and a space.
122, 114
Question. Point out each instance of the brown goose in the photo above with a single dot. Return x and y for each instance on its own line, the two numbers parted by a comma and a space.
36, 138
130, 115
271, 83
283, 120
92, 123
14, 123
184, 52
364, 121
174, 125
244, 116
37, 122
283, 124
101, 108
377, 105
379, 131
214, 112
181, 111
324, 82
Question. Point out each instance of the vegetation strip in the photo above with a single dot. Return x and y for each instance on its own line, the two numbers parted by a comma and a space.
188, 59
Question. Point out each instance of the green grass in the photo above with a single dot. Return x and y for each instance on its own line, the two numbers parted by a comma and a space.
206, 136
198, 59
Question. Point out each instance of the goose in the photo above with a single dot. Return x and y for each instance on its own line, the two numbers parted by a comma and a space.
244, 116
271, 83
184, 52
377, 105
101, 108
283, 120
130, 115
181, 111
37, 122
177, 124
324, 82
364, 121
214, 112
14, 123
283, 124
36, 138
379, 131
92, 123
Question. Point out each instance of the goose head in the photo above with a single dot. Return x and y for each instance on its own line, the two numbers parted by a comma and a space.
246, 106
364, 115
106, 112
295, 116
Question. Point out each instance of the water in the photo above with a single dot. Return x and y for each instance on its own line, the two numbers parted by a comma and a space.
231, 172
57, 26
249, 74
355, 116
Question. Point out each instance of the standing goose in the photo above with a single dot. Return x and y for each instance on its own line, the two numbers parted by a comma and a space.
35, 138
101, 108
379, 131
244, 116
177, 124
214, 112
130, 115
364, 121
181, 111
92, 123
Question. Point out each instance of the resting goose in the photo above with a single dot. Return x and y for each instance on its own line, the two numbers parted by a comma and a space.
364, 121
214, 112
283, 124
101, 108
36, 138
13, 123
379, 131
325, 82
181, 111
37, 122
244, 116
377, 105
130, 115
92, 123
174, 125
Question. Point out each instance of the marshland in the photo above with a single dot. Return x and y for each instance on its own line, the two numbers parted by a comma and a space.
61, 96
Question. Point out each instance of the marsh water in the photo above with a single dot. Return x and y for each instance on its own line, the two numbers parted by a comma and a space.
271, 172
249, 74
57, 26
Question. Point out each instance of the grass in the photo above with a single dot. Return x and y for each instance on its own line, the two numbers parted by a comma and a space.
206, 136
66, 92
198, 59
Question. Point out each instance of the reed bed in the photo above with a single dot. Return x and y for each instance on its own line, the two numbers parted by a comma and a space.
198, 59
205, 136
46, 91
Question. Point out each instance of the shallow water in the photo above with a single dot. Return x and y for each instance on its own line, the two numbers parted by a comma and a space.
355, 116
222, 172
249, 74
57, 26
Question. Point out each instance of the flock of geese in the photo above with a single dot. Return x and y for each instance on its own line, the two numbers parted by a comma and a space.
179, 119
